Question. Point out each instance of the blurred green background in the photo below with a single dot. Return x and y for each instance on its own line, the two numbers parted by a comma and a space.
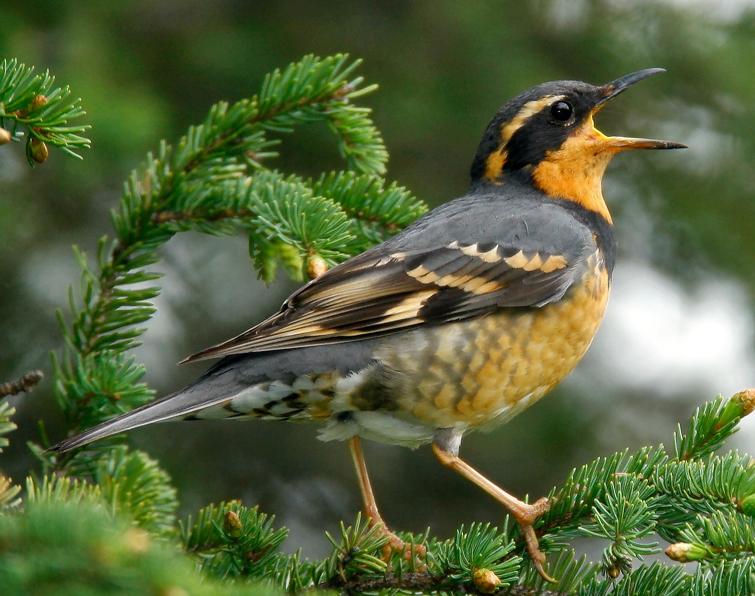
680, 324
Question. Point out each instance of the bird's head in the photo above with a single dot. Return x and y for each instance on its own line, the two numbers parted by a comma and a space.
546, 137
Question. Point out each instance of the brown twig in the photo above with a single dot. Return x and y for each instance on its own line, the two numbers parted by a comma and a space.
160, 217
23, 384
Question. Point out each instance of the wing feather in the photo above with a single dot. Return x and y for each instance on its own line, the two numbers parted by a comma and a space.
377, 294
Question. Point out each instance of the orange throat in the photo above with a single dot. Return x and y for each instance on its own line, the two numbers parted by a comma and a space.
574, 172
581, 184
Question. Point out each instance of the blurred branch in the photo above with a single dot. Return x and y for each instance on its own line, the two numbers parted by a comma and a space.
23, 384
31, 107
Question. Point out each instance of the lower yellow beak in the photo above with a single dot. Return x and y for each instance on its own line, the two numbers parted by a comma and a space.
627, 143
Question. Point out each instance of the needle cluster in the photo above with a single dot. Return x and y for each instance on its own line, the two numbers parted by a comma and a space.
39, 114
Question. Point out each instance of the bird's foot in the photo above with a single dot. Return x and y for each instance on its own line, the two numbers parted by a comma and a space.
526, 515
397, 545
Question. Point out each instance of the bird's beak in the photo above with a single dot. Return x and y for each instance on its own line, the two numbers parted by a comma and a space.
614, 88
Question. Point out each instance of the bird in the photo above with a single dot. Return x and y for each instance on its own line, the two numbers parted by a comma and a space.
457, 323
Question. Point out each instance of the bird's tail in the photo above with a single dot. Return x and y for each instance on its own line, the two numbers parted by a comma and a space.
208, 391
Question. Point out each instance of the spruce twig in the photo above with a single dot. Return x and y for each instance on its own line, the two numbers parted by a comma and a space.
32, 107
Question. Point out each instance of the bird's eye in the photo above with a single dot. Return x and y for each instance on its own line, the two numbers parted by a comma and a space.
562, 111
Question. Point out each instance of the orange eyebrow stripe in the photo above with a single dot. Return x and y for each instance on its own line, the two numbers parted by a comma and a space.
525, 113
496, 160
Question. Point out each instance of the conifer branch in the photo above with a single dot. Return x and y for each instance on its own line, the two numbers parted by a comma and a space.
712, 425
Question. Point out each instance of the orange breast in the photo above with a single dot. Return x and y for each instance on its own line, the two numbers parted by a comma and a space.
487, 370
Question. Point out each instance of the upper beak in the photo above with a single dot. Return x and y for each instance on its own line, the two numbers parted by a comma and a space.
614, 88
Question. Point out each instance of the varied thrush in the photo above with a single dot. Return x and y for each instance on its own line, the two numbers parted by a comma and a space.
460, 322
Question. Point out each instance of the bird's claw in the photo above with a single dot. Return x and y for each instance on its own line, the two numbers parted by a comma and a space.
397, 545
526, 517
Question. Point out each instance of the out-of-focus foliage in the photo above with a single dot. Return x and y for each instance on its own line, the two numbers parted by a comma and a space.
72, 549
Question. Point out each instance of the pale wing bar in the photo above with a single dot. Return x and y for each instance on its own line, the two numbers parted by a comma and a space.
403, 290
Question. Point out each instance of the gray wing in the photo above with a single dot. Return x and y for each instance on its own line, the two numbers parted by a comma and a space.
465, 259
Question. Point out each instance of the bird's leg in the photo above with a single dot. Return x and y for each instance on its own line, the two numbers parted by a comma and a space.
368, 497
524, 513
395, 544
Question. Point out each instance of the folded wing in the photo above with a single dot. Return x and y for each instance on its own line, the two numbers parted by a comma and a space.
374, 295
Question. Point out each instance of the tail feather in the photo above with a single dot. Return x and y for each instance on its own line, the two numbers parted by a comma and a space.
228, 378
196, 397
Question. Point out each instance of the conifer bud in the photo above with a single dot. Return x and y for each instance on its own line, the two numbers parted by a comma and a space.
5, 136
38, 102
232, 524
316, 266
486, 581
38, 150
746, 399
685, 552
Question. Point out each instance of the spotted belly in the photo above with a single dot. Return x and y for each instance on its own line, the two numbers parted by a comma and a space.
485, 371
470, 374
